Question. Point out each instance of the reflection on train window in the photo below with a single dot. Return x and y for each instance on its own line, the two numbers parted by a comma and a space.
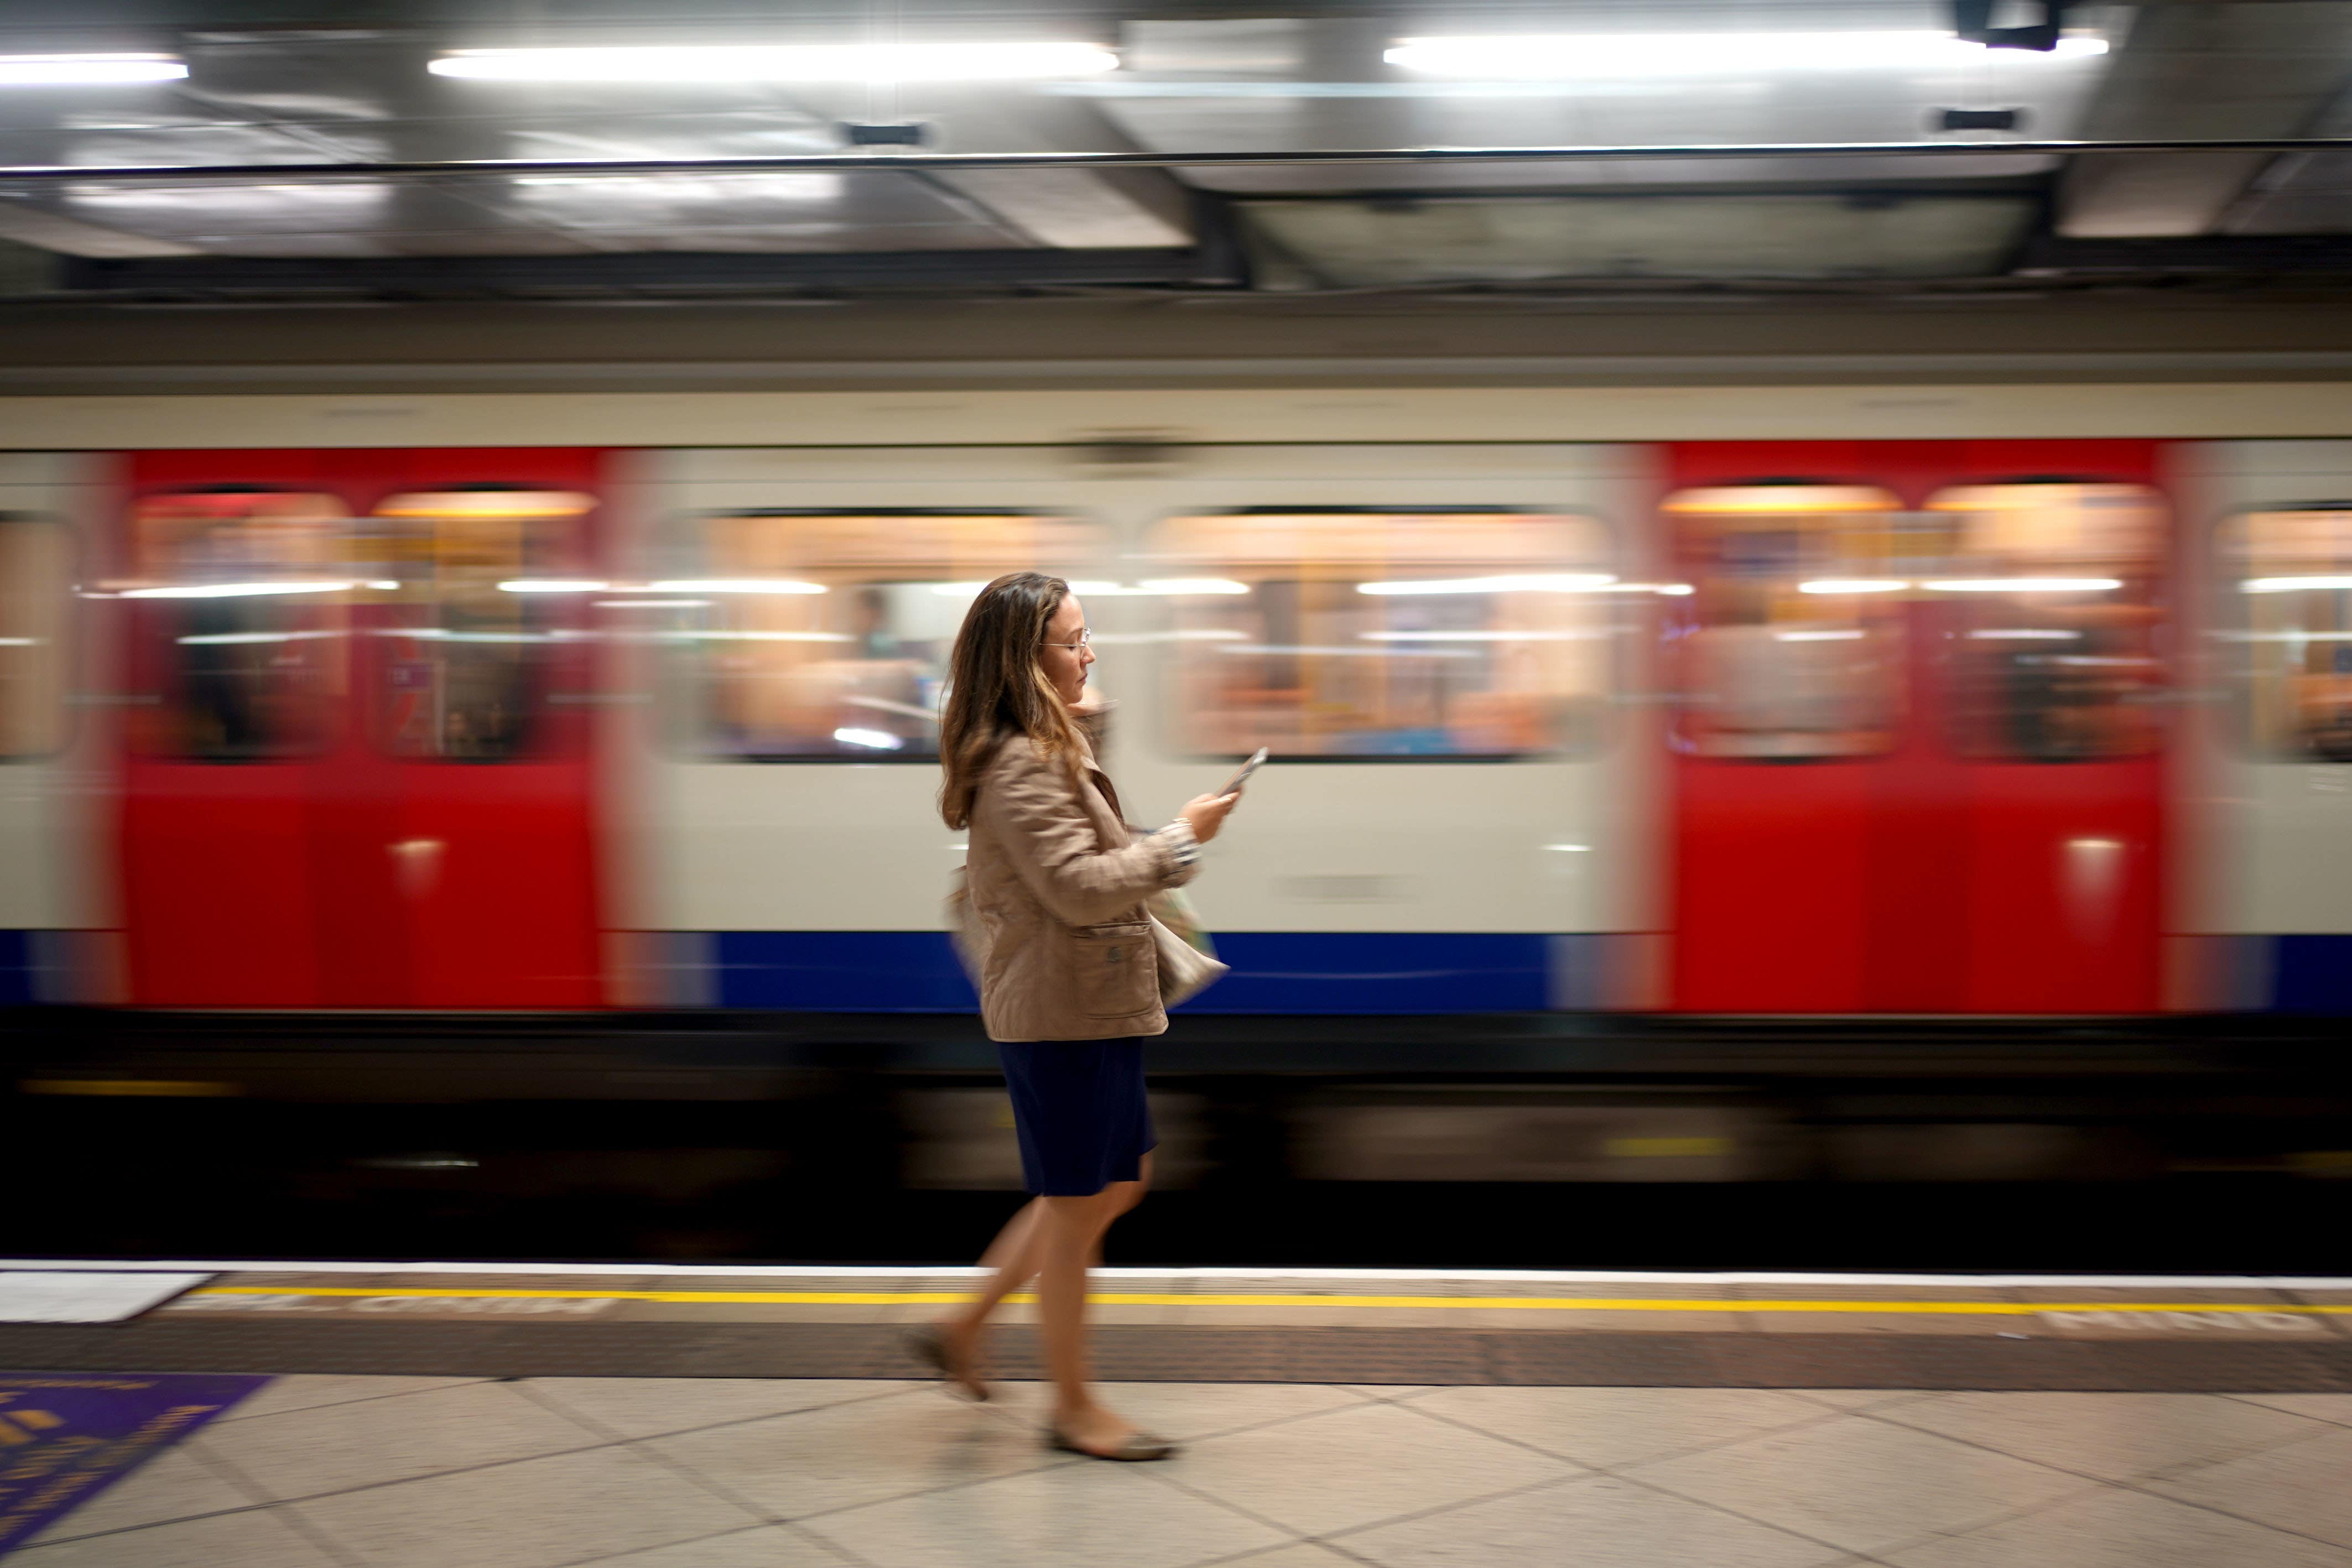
490, 591
1790, 644
825, 634
35, 591
1423, 633
2292, 572
2054, 640
239, 611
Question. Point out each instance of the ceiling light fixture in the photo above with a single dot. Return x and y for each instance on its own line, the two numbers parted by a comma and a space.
86, 70
782, 62
1570, 55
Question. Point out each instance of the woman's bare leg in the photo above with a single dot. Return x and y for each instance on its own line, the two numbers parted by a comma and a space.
1012, 1262
1071, 1244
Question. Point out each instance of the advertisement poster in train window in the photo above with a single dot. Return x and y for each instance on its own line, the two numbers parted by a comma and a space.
800, 635
1427, 633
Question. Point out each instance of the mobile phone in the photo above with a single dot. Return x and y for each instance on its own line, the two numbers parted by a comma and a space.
1242, 778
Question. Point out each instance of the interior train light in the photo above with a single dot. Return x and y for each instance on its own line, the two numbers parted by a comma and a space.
1483, 636
783, 62
234, 590
2024, 634
552, 585
1184, 585
1840, 635
1854, 585
2022, 584
86, 70
871, 739
1515, 582
218, 639
1570, 55
2291, 584
736, 585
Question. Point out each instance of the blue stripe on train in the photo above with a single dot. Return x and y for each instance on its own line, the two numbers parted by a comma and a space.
2311, 974
1274, 972
16, 986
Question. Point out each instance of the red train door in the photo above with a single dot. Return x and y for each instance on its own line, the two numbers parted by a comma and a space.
1919, 752
291, 834
480, 691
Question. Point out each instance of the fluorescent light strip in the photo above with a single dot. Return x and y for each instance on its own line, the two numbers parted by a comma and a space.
756, 637
2293, 584
1482, 636
735, 585
783, 62
1517, 582
234, 590
1557, 56
1842, 636
2022, 584
552, 585
86, 70
1854, 585
216, 639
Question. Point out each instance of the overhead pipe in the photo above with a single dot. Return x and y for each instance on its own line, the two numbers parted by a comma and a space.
501, 168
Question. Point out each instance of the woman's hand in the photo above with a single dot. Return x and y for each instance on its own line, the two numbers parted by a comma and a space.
1207, 814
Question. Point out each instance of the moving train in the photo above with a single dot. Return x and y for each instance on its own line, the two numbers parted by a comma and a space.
1821, 701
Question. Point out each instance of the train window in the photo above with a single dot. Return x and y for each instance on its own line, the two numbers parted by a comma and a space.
2291, 572
1371, 633
491, 588
36, 594
238, 622
809, 635
2055, 589
1790, 644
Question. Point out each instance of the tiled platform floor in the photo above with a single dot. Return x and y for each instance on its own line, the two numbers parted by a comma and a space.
437, 1472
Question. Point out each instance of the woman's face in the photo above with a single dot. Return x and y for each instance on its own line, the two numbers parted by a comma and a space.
1064, 658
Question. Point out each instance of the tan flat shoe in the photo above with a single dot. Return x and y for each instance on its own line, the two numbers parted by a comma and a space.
1134, 1448
930, 1346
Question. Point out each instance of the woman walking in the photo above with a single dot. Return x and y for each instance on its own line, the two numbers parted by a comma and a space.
1066, 958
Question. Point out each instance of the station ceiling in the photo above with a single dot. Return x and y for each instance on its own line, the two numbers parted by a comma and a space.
313, 148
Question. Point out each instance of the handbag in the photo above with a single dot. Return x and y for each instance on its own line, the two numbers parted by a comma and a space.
1185, 963
1188, 962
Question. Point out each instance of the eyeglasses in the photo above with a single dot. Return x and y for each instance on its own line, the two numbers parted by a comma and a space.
1085, 635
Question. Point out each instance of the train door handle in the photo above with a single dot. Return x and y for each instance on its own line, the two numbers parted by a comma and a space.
417, 864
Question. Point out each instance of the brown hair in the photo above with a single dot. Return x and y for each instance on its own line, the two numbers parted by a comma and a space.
995, 687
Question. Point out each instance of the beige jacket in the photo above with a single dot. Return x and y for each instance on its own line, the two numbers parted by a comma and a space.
1057, 882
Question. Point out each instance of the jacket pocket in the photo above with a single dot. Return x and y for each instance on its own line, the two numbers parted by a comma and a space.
1116, 970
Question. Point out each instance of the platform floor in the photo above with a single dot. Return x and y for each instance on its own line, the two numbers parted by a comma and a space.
1286, 1467
416, 1472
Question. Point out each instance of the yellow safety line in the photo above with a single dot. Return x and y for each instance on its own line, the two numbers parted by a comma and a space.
1163, 1298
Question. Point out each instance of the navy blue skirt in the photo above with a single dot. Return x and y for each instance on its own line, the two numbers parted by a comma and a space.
1079, 1108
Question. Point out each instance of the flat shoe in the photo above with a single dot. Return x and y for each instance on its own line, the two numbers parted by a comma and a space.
1134, 1448
930, 1346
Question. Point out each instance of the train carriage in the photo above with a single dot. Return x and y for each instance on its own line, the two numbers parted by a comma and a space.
1897, 713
